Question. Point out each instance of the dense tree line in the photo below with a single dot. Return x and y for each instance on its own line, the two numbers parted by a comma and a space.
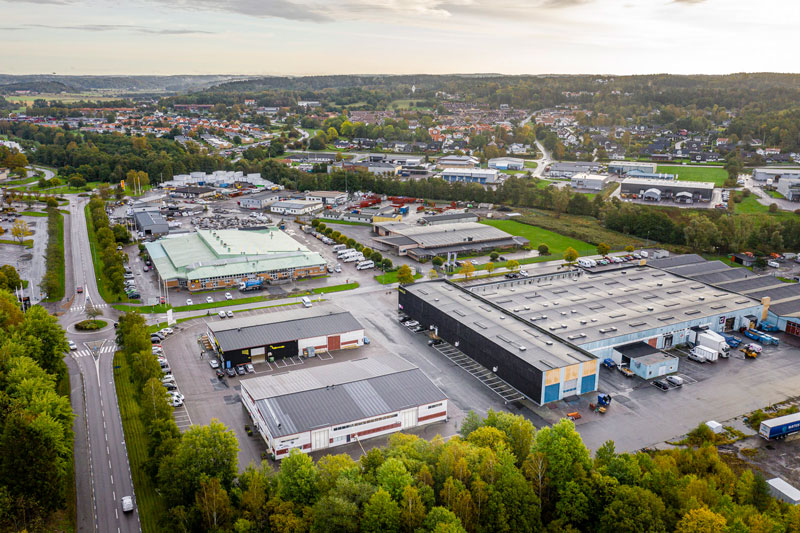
36, 437
53, 281
113, 271
109, 157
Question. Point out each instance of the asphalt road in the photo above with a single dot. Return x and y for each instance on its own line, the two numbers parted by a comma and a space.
101, 460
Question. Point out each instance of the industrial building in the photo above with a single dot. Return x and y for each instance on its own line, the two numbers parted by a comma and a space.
150, 223
295, 207
425, 242
651, 175
676, 191
764, 174
567, 170
216, 259
321, 407
193, 192
270, 336
594, 182
645, 360
507, 163
623, 167
447, 218
460, 161
220, 178
780, 301
789, 187
260, 200
327, 197
544, 333
482, 176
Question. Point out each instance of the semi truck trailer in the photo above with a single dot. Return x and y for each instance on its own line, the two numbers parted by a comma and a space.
781, 427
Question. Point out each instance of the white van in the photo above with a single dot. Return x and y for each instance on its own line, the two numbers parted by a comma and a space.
363, 265
347, 251
587, 263
339, 247
352, 258
675, 380
306, 301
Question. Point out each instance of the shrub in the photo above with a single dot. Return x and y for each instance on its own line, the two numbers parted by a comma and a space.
773, 208
543, 249
90, 325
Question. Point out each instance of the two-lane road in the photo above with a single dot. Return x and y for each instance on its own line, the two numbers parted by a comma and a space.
102, 470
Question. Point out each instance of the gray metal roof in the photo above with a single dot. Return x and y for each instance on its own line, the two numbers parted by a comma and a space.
269, 328
694, 269
675, 260
788, 309
149, 219
787, 291
338, 393
448, 216
636, 349
748, 285
732, 274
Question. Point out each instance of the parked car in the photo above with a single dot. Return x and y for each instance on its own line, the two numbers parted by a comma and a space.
155, 339
72, 346
209, 300
220, 373
698, 358
170, 385
168, 331
241, 370
213, 363
228, 296
249, 368
222, 314
675, 380
231, 372
229, 314
661, 384
175, 402
134, 296
189, 301
411, 323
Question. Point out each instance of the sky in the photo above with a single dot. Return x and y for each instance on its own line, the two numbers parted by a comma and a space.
297, 37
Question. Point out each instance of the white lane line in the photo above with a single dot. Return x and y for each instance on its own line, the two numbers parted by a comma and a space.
116, 513
112, 479
108, 452
109, 464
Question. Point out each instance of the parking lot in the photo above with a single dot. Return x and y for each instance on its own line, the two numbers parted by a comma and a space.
29, 262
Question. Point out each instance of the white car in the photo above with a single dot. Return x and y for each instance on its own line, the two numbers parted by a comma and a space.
72, 345
228, 296
168, 331
175, 394
175, 402
411, 323
209, 299
189, 301
127, 504
229, 314
222, 314
773, 264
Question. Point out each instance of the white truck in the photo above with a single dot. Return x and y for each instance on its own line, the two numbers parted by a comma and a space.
352, 258
347, 251
702, 354
714, 341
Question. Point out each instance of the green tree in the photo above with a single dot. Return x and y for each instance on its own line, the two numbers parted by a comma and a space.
701, 234
543, 249
570, 255
213, 504
393, 476
386, 264
412, 510
376, 257
381, 514
490, 267
629, 248
20, 230
467, 269
298, 478
404, 275
567, 457
603, 249
494, 256
633, 510
51, 343
204, 452
442, 519
334, 513
76, 181
437, 261
512, 264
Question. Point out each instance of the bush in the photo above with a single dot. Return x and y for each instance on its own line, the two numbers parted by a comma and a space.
773, 208
90, 325
543, 249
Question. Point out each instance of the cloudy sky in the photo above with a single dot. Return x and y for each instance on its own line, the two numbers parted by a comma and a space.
397, 36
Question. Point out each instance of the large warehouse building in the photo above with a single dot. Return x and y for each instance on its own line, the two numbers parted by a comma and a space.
216, 259
658, 190
426, 242
544, 333
331, 405
271, 336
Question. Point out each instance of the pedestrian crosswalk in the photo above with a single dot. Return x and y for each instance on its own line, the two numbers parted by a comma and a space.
108, 348
83, 307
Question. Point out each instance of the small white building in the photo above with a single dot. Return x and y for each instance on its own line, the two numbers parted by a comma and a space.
327, 197
594, 182
507, 163
320, 407
781, 490
295, 207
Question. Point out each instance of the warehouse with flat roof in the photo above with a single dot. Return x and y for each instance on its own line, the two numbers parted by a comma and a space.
322, 407
425, 242
544, 333
657, 190
150, 223
216, 259
271, 336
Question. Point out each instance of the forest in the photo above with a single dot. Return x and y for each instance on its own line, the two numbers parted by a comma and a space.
500, 474
36, 439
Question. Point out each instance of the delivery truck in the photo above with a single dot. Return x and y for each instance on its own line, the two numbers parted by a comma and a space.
781, 427
702, 354
714, 341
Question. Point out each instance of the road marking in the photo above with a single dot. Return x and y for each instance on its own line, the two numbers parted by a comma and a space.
109, 464
116, 513
112, 479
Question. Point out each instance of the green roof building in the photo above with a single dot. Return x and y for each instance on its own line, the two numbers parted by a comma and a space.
217, 259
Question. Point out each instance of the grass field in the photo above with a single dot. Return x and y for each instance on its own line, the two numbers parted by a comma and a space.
716, 175
149, 503
329, 221
536, 236
775, 194
32, 213
531, 164
391, 277
58, 244
61, 97
405, 104
27, 243
750, 205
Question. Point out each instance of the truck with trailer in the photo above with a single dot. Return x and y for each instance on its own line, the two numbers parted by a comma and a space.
714, 341
705, 353
781, 427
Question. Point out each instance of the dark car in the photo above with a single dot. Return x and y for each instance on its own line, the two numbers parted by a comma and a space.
155, 340
661, 384
116, 324
134, 296
220, 373
231, 372
241, 370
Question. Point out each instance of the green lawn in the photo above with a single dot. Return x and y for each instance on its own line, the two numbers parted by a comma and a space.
32, 213
336, 288
149, 503
531, 164
391, 277
750, 205
27, 243
99, 268
329, 221
536, 236
716, 175
775, 194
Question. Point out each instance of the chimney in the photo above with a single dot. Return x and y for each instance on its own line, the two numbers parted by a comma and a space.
765, 302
